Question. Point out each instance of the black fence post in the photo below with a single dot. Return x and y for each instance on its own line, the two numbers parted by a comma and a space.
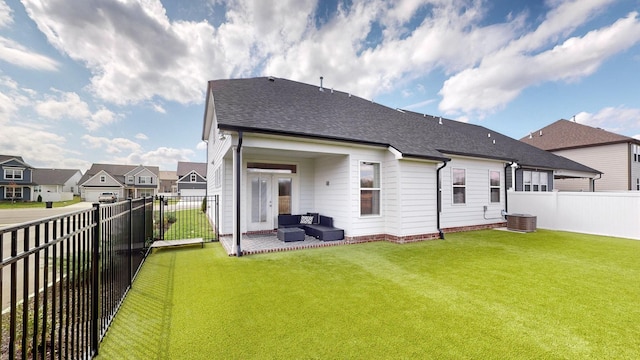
95, 277
130, 275
161, 216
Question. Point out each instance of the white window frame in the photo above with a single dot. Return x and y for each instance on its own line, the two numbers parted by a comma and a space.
103, 178
494, 187
193, 177
13, 190
538, 181
143, 180
16, 174
455, 186
377, 175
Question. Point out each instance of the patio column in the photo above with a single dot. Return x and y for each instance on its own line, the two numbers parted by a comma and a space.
237, 205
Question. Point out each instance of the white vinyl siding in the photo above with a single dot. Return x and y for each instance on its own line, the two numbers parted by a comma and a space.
417, 201
477, 196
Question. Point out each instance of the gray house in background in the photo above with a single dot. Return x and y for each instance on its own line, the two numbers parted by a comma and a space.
127, 181
16, 180
617, 156
56, 184
192, 178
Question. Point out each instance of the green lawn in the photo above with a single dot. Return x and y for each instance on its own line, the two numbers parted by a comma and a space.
191, 223
476, 295
35, 204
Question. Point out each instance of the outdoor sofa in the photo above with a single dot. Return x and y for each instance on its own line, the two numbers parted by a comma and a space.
316, 225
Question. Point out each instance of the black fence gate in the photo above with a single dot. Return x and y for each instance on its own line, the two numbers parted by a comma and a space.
186, 217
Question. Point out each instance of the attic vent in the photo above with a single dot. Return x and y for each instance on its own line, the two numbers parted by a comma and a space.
332, 90
530, 136
440, 120
271, 78
321, 78
488, 134
540, 132
494, 141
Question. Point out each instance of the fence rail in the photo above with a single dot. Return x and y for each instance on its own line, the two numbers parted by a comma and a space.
63, 278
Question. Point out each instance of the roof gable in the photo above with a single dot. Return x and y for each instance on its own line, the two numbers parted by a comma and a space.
6, 159
185, 168
565, 134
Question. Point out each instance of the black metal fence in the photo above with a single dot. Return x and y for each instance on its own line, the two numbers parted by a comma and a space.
63, 278
185, 217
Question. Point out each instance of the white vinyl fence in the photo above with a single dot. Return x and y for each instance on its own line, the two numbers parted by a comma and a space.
602, 213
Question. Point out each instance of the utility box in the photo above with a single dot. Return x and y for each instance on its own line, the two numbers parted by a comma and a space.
521, 222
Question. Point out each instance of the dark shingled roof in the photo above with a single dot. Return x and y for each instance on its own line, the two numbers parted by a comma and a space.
565, 134
52, 176
186, 167
280, 106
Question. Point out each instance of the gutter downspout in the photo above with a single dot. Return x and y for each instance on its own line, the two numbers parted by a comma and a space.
593, 182
439, 199
506, 192
238, 173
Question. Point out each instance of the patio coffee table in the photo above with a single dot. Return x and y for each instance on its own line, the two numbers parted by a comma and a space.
290, 234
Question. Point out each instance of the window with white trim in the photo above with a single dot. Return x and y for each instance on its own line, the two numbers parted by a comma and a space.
145, 180
494, 186
535, 181
13, 174
369, 188
193, 178
103, 178
638, 184
13, 192
459, 183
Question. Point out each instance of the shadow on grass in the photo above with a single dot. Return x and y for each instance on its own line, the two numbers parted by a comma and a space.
144, 321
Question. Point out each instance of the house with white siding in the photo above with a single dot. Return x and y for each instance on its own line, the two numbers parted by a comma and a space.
126, 181
617, 156
56, 184
276, 146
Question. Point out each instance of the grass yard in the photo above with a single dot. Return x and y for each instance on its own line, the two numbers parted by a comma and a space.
191, 223
476, 295
35, 204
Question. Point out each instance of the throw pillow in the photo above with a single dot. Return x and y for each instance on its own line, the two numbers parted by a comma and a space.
306, 220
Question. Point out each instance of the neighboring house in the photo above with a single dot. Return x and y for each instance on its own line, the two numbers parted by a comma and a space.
168, 181
617, 156
127, 181
192, 179
280, 146
16, 179
56, 184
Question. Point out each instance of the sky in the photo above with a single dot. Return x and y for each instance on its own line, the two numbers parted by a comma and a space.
124, 81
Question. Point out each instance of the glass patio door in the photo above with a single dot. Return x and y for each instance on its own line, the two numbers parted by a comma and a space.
260, 203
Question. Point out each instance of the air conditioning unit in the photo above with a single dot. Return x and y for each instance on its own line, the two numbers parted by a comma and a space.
521, 222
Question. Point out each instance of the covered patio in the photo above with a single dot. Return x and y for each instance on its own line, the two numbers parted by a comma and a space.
267, 243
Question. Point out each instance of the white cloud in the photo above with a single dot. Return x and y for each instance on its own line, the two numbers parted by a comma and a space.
619, 119
165, 158
18, 55
111, 146
39, 147
6, 17
141, 136
503, 75
12, 98
201, 145
69, 105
